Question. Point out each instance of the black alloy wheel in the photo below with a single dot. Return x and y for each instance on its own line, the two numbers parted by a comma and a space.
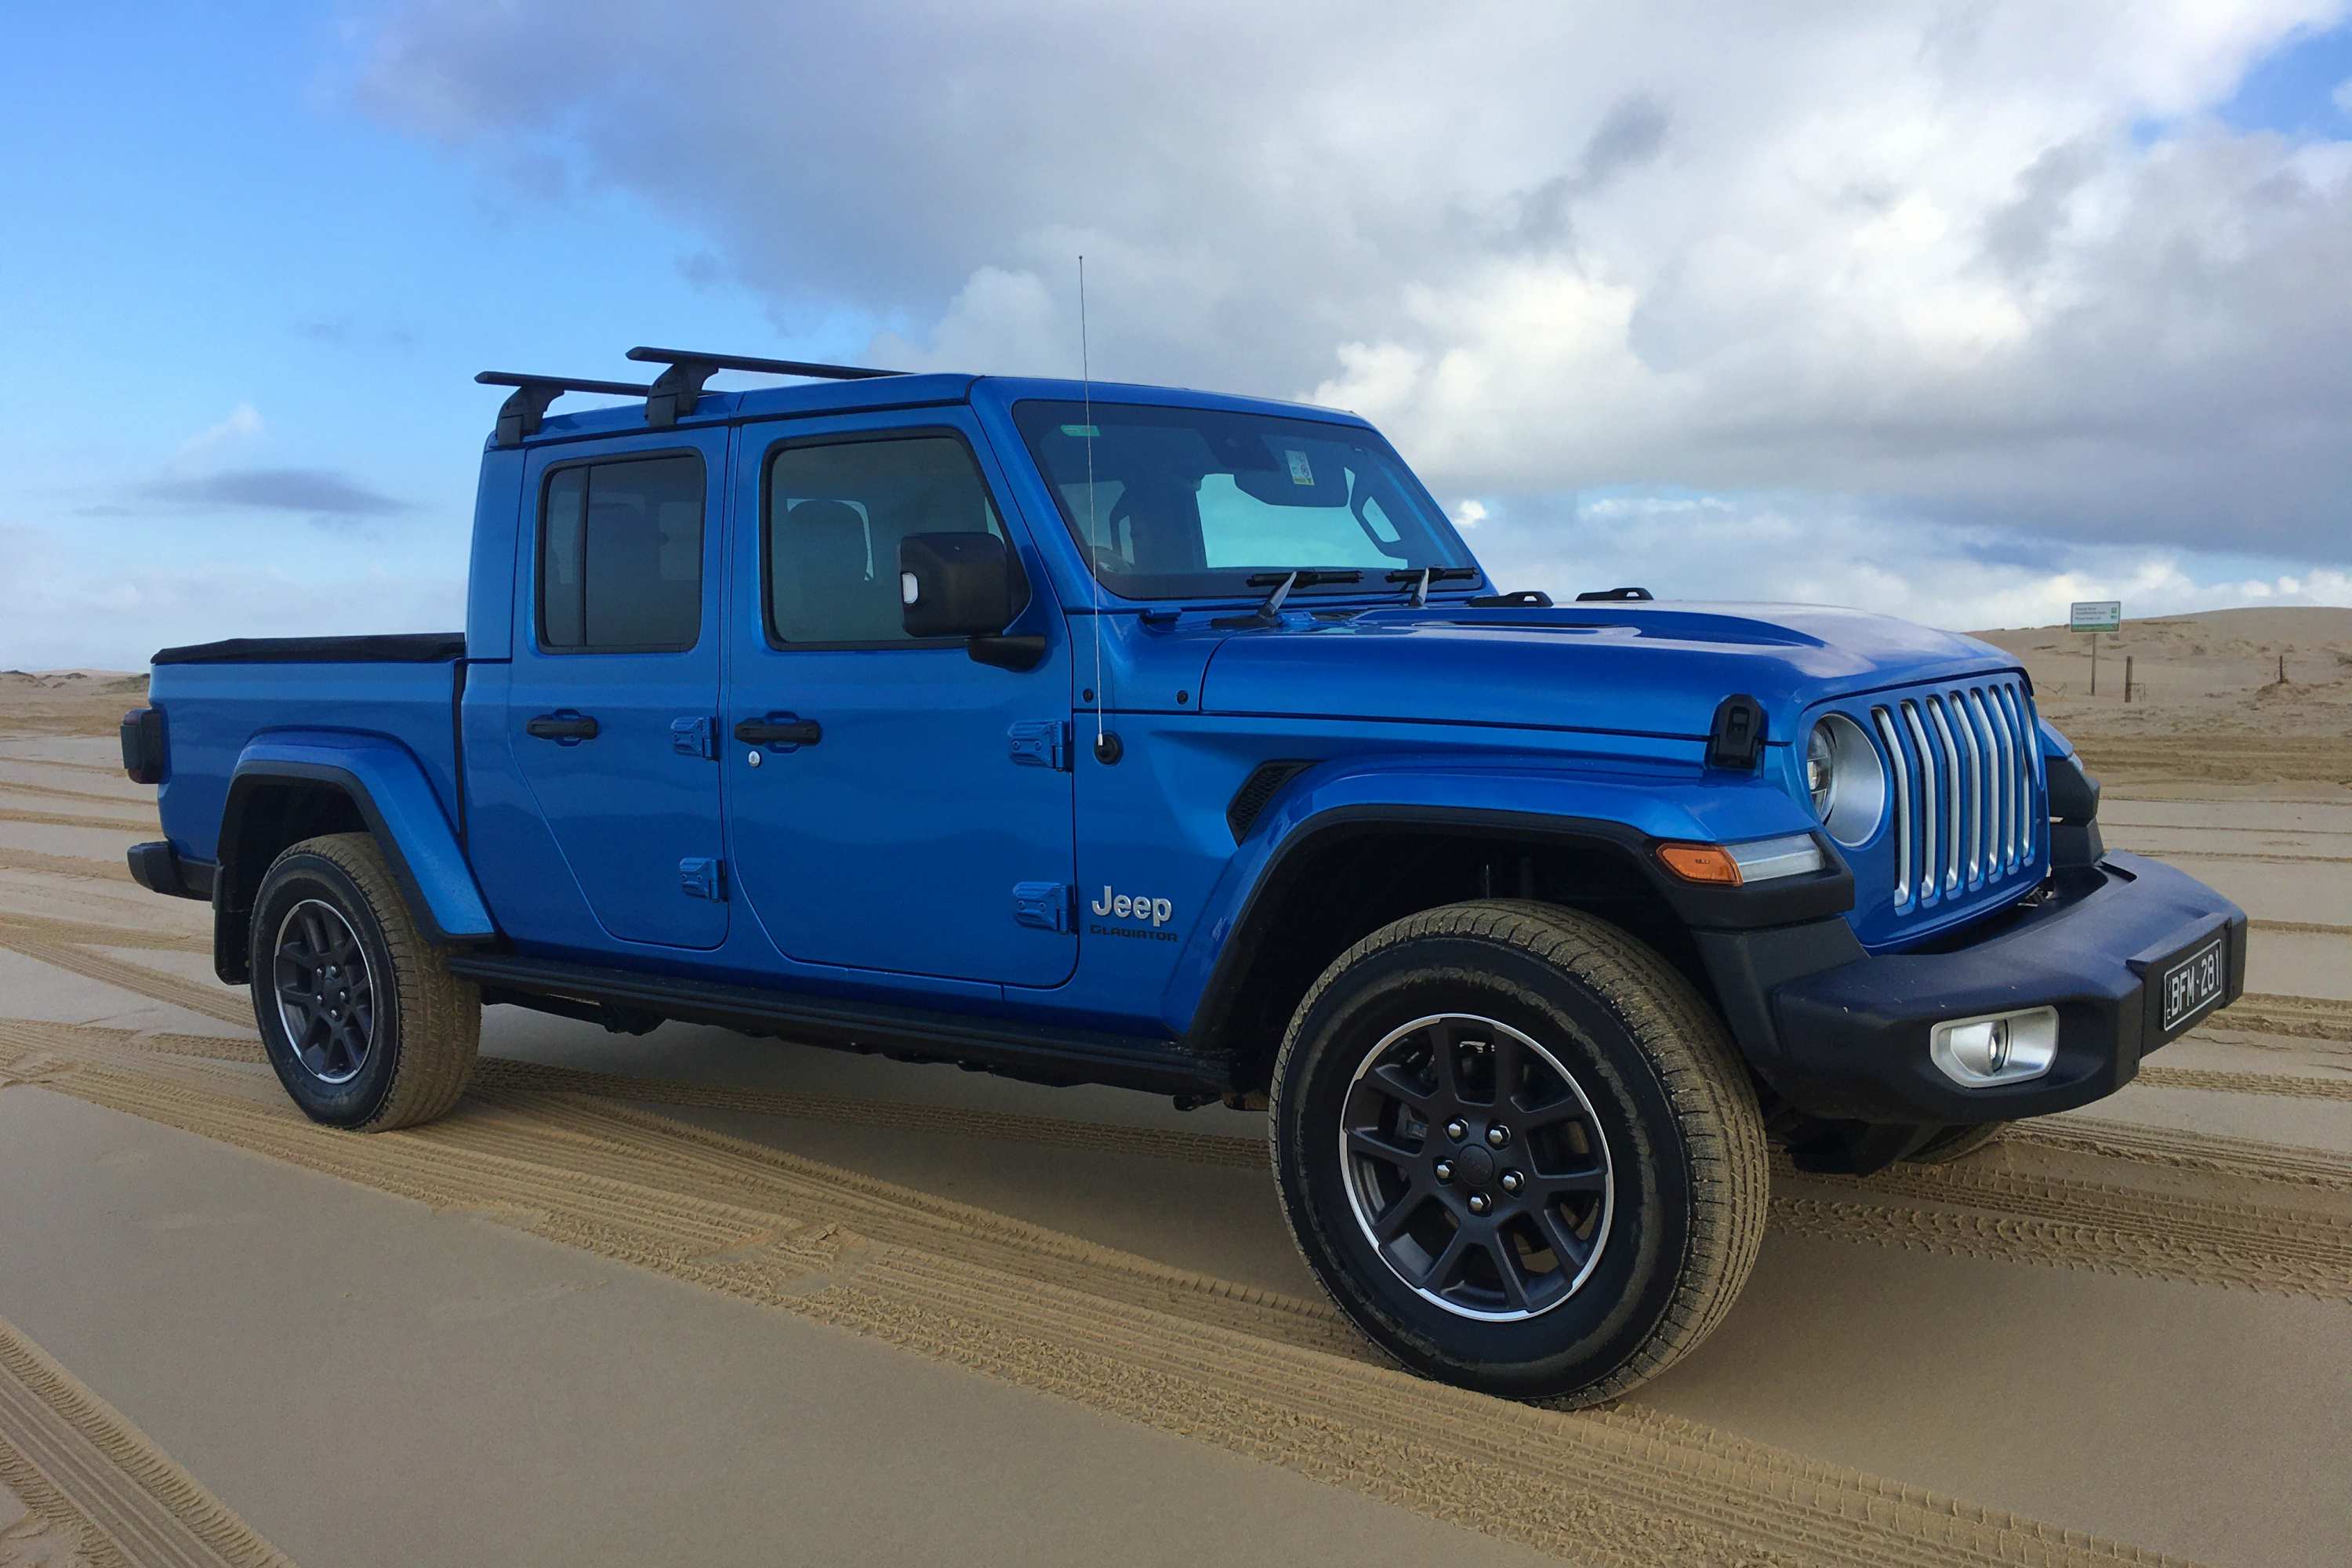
1476, 1167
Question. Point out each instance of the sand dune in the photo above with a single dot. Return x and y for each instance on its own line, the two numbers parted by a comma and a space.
2207, 706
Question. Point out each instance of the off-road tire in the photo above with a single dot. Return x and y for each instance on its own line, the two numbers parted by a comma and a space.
1957, 1143
427, 1023
1686, 1139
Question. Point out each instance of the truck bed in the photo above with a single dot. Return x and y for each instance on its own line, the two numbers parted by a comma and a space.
216, 698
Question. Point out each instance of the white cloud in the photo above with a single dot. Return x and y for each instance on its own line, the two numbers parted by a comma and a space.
243, 421
1814, 551
1916, 252
1468, 513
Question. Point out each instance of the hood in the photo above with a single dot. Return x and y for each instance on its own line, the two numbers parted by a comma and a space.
1656, 668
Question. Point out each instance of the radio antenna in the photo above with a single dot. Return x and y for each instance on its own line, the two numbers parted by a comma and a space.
1094, 537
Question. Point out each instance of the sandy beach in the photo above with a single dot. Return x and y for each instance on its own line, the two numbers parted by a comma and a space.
698, 1298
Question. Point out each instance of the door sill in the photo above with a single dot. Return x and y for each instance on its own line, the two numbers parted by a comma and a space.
1038, 1053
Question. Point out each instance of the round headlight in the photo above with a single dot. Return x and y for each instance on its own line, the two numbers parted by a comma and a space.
1845, 779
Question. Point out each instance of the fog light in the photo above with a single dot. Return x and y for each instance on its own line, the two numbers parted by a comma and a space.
2000, 1048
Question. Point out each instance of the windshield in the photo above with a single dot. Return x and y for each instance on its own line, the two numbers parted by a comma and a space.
1191, 503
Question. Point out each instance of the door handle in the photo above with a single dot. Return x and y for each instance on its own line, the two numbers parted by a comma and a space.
565, 728
780, 729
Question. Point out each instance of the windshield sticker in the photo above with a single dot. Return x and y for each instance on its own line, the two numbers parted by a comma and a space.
1301, 473
1083, 432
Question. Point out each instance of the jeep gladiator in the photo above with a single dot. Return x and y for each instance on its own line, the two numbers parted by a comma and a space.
1126, 736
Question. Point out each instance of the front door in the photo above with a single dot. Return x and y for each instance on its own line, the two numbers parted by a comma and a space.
614, 698
893, 804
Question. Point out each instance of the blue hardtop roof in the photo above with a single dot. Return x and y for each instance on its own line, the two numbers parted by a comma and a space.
722, 406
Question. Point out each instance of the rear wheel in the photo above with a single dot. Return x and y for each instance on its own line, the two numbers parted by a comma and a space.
1518, 1150
361, 1021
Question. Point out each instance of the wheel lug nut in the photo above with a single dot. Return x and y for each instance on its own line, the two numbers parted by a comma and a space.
1458, 1129
1446, 1170
1513, 1181
1497, 1135
1478, 1204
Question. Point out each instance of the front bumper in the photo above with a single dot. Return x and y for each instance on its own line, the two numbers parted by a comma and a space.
1842, 1035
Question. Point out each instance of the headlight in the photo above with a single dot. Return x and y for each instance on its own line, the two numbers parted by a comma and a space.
1845, 779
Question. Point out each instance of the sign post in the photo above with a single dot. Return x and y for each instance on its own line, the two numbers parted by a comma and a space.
2095, 616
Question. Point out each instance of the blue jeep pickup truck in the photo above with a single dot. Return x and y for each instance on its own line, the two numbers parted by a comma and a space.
1126, 736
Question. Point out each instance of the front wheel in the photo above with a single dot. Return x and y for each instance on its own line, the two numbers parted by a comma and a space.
1518, 1150
365, 1024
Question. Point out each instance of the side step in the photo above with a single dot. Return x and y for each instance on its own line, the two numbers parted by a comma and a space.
1039, 1054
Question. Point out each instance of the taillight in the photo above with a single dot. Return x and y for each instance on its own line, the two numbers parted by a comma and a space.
143, 745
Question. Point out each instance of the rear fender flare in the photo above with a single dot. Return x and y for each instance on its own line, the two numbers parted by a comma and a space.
387, 785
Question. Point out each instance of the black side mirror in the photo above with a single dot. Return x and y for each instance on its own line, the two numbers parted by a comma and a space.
966, 586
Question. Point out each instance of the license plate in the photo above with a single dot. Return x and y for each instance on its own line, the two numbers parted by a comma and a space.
2191, 984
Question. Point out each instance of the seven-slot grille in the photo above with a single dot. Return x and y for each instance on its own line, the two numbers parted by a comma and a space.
1965, 807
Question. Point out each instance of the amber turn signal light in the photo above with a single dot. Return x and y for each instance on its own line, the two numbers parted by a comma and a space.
1708, 863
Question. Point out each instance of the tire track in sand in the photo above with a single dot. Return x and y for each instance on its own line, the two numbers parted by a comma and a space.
2030, 1218
2176, 1149
2063, 1222
76, 866
2258, 856
2268, 1012
2303, 928
96, 933
96, 1483
57, 792
2216, 1080
213, 1002
1619, 1486
64, 819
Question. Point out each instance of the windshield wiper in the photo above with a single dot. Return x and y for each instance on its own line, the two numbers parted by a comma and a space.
1270, 613
1422, 577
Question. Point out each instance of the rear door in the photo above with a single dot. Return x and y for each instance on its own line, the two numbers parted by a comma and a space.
923, 824
615, 690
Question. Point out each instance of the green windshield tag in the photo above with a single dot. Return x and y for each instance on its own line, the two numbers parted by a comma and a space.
1087, 431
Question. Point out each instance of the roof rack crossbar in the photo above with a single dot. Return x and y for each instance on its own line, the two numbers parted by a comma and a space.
520, 415
679, 388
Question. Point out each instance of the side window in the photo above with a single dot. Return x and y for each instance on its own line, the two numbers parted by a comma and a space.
836, 513
620, 559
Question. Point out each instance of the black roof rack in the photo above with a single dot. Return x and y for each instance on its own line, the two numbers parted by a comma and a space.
675, 391
519, 416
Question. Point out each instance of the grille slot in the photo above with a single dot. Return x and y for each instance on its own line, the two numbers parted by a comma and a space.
1966, 803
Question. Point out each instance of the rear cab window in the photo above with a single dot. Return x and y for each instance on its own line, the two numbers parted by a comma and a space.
620, 558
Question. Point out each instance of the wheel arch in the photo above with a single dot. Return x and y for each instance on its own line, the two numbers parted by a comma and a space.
285, 789
1330, 876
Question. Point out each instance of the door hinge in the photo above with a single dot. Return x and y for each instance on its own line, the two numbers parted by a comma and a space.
1041, 744
695, 737
1044, 905
700, 876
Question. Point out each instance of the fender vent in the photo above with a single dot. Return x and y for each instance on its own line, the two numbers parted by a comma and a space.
1260, 787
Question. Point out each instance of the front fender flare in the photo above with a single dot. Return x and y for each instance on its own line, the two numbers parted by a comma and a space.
1626, 812
388, 786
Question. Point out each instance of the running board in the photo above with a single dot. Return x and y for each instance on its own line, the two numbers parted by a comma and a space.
1042, 1055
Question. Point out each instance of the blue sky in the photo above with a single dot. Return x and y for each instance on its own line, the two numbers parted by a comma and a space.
256, 252
205, 226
